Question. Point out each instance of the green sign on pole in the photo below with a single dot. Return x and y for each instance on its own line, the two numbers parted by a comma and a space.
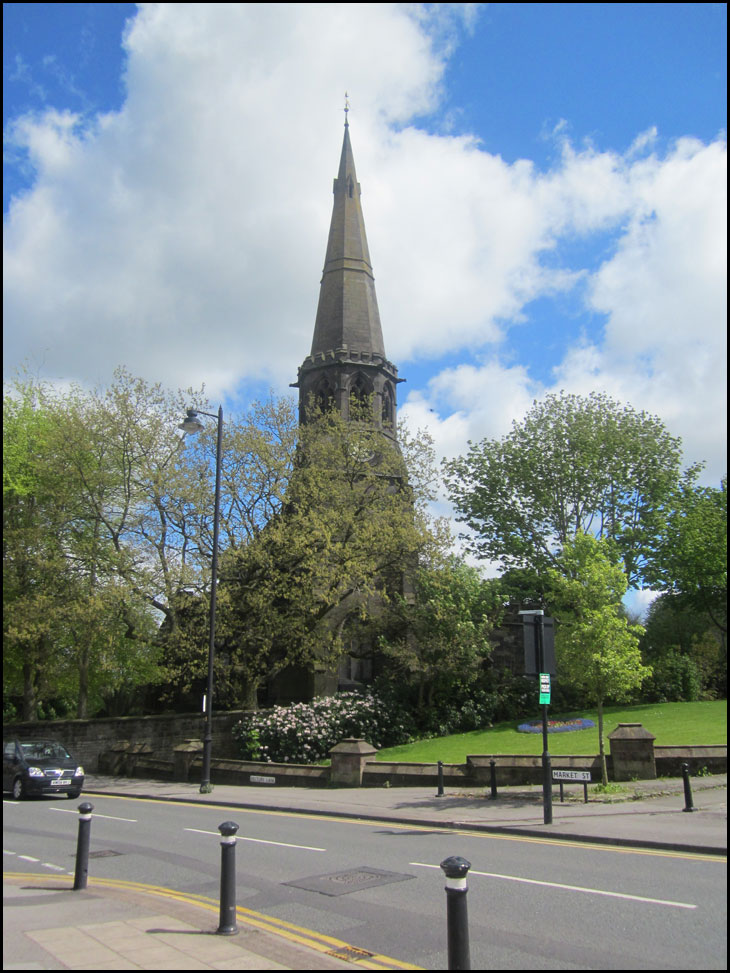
544, 688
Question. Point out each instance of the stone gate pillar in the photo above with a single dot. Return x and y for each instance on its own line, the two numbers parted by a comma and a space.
348, 761
632, 752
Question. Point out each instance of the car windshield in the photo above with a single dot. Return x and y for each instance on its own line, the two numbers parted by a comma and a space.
44, 750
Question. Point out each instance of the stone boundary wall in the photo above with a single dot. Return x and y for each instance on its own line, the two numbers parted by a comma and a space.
88, 739
144, 746
510, 770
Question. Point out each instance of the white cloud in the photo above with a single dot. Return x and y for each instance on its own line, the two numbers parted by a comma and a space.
184, 235
201, 208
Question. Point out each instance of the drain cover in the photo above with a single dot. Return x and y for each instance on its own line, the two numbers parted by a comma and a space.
104, 854
353, 880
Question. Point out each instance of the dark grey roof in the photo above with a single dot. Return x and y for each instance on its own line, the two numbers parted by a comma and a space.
347, 313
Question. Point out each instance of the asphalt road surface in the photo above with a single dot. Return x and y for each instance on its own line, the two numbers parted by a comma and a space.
533, 903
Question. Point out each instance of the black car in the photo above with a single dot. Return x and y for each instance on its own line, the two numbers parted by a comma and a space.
40, 767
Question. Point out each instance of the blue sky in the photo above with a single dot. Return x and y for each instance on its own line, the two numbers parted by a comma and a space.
543, 188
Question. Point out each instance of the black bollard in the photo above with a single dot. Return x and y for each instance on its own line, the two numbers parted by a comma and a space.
457, 922
493, 779
227, 924
440, 792
688, 802
82, 846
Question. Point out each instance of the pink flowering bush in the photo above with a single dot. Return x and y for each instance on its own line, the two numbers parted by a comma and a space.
306, 732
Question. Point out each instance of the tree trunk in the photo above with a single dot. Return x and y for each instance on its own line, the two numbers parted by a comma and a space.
82, 702
30, 695
251, 695
601, 747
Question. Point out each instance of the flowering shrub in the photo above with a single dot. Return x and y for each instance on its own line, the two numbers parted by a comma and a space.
556, 726
306, 732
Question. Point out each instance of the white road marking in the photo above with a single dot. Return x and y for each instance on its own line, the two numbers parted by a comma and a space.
55, 868
27, 858
109, 817
259, 841
574, 888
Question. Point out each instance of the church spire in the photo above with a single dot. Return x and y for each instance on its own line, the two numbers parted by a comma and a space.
347, 314
348, 354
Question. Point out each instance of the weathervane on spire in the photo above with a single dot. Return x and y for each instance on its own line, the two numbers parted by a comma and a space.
347, 108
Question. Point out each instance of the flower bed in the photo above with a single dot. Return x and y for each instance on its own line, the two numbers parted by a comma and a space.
556, 726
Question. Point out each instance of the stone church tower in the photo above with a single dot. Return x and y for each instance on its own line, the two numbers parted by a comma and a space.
347, 364
347, 360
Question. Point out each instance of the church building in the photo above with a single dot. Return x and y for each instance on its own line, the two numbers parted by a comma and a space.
346, 365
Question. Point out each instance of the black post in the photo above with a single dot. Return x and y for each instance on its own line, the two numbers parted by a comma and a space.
82, 846
688, 802
561, 792
440, 792
205, 785
585, 792
227, 925
547, 784
493, 779
457, 922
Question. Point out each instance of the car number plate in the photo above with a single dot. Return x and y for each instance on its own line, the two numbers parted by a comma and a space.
60, 783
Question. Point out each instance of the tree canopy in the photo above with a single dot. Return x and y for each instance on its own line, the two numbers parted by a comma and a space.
438, 632
338, 550
690, 557
597, 649
573, 464
108, 540
108, 527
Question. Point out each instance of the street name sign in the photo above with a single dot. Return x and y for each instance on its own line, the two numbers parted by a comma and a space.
582, 775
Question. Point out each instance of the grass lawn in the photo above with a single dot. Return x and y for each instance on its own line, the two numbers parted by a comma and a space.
673, 724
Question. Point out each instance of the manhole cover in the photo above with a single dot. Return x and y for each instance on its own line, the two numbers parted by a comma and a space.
353, 880
104, 854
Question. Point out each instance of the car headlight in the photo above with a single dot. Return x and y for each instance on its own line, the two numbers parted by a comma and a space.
79, 772
35, 772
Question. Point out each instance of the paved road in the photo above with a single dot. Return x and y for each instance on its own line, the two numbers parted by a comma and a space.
533, 903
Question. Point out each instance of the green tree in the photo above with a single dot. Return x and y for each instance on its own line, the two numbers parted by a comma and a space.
573, 464
685, 650
439, 632
690, 558
597, 649
336, 553
67, 620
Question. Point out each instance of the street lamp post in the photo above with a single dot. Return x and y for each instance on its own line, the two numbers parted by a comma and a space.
191, 425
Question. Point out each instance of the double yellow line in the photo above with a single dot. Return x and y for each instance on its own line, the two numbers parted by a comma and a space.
287, 930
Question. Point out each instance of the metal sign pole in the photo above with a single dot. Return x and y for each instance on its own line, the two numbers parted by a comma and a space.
547, 783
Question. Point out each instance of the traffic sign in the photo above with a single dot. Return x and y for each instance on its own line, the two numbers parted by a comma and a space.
544, 688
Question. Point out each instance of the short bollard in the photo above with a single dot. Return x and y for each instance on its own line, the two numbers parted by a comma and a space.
688, 802
457, 922
81, 874
493, 779
227, 924
440, 772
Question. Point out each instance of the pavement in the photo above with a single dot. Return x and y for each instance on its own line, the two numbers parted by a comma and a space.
49, 926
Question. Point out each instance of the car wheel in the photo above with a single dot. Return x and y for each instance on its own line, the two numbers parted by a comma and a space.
18, 789
73, 795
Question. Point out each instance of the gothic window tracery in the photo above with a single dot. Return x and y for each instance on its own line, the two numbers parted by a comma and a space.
324, 397
388, 414
360, 392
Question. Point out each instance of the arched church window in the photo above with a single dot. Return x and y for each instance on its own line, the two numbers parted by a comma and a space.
388, 406
324, 397
360, 392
